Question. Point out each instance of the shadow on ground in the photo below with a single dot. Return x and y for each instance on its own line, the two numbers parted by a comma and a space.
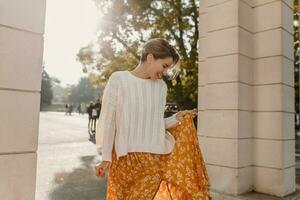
79, 184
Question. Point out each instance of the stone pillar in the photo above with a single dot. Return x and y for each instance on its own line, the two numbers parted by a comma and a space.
246, 95
273, 103
21, 55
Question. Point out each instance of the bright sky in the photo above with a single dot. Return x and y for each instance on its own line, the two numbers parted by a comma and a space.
70, 25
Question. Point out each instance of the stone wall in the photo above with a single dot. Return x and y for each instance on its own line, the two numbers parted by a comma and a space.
21, 56
246, 95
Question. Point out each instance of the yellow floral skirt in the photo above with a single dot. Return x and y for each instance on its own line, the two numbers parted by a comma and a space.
180, 175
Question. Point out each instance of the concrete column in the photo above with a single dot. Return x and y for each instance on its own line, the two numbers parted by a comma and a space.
21, 55
246, 96
273, 102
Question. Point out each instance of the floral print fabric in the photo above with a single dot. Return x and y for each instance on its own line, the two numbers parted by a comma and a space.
180, 175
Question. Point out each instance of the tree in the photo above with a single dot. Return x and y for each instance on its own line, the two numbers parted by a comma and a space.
127, 24
46, 89
83, 92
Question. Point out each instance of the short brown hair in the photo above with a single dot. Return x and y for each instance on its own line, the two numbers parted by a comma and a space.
160, 49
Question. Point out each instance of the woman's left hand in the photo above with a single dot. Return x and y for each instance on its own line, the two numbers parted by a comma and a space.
100, 168
181, 114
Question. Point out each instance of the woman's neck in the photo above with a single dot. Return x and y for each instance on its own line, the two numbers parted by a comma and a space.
140, 71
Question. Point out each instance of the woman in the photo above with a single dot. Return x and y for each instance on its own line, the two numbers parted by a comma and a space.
132, 128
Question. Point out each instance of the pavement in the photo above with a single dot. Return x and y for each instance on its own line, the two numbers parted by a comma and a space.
67, 156
66, 159
254, 196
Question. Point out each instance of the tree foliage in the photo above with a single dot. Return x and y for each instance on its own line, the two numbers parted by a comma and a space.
126, 24
83, 92
46, 89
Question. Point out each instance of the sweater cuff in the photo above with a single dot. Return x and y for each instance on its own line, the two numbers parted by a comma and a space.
171, 121
106, 157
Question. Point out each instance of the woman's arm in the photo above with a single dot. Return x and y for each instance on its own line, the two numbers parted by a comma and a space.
176, 118
171, 121
106, 125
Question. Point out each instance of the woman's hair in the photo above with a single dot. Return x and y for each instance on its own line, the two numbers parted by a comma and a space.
160, 49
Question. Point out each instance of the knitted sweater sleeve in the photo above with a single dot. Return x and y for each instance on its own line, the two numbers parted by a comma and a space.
106, 126
171, 121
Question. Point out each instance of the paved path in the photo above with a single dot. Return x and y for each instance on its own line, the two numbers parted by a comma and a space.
66, 158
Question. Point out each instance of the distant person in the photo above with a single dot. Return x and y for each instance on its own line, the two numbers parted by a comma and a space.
79, 109
66, 109
89, 111
94, 117
70, 109
95, 114
98, 108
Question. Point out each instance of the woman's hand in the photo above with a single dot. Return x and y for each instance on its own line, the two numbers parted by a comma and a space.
180, 115
100, 168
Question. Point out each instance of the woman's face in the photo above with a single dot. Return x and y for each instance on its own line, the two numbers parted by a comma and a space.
158, 67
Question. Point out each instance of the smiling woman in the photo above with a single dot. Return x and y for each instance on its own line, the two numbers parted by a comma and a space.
135, 137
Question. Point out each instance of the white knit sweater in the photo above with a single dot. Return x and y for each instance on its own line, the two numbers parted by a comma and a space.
132, 116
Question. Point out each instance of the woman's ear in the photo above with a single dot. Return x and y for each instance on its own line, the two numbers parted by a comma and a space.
150, 58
